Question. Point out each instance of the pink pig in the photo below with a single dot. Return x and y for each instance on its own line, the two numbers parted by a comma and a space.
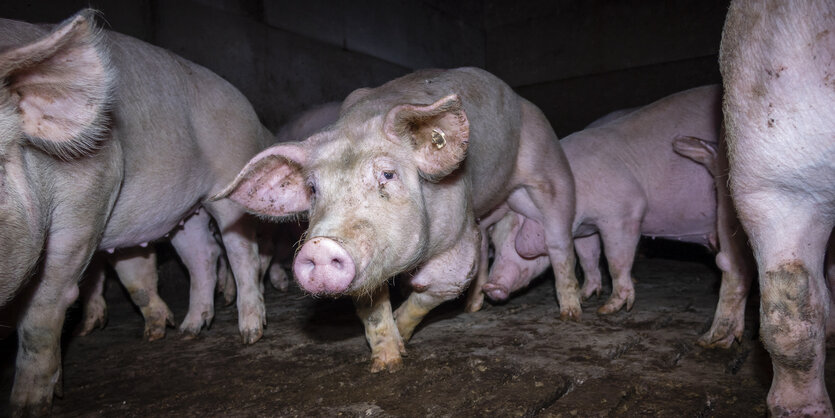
630, 182
396, 185
778, 66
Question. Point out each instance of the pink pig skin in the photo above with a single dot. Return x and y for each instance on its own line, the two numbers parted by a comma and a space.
778, 66
109, 143
630, 182
396, 185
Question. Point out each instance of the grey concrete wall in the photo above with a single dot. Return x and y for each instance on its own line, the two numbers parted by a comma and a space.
576, 59
580, 59
288, 55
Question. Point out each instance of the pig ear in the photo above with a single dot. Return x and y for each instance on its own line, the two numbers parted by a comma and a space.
439, 134
698, 150
60, 85
272, 183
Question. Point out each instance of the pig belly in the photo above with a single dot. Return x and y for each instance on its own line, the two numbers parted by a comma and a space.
684, 208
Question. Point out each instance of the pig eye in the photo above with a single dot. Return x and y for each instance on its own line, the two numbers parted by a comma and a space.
386, 176
312, 189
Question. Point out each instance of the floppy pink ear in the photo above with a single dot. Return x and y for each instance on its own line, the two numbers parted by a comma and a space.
439, 134
272, 183
61, 85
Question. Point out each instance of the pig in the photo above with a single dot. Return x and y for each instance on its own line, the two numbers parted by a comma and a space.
777, 61
396, 185
517, 271
95, 161
136, 267
629, 182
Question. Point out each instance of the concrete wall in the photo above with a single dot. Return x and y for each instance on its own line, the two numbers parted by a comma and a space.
580, 59
287, 55
576, 59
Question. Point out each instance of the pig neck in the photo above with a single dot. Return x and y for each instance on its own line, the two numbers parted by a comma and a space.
448, 205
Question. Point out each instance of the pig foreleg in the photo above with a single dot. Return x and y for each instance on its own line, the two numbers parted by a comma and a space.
442, 278
197, 247
588, 251
380, 330
137, 270
238, 232
92, 299
620, 240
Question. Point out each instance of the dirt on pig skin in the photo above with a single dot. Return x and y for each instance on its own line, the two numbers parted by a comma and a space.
514, 359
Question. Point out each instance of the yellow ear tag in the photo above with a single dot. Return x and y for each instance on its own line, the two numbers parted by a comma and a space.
438, 138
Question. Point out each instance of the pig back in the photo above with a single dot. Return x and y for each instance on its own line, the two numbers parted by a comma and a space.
185, 132
632, 158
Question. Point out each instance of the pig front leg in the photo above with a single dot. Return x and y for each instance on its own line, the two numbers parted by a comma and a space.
475, 296
588, 251
238, 232
197, 248
620, 240
380, 330
137, 270
38, 365
92, 299
442, 278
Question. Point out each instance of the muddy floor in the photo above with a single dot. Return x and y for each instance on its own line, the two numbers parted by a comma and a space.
514, 359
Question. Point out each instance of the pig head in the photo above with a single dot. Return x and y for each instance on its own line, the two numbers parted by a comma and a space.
362, 186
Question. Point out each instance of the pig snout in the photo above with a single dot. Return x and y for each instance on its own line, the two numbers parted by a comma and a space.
323, 266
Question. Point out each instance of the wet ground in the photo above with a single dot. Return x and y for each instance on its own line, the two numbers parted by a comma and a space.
514, 359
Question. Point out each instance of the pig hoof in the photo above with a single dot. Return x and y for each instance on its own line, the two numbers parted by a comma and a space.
719, 336
570, 314
188, 335
279, 278
251, 336
616, 302
90, 323
474, 305
154, 333
392, 365
587, 292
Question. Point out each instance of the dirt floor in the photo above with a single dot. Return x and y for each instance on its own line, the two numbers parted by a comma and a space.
514, 359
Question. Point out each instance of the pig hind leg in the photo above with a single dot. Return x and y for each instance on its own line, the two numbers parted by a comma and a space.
238, 232
137, 270
92, 299
380, 330
38, 365
588, 252
546, 195
789, 240
199, 251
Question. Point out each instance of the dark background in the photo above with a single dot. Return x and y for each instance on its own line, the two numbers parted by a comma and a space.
576, 59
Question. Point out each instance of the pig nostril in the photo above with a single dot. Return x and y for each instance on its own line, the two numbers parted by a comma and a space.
337, 263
